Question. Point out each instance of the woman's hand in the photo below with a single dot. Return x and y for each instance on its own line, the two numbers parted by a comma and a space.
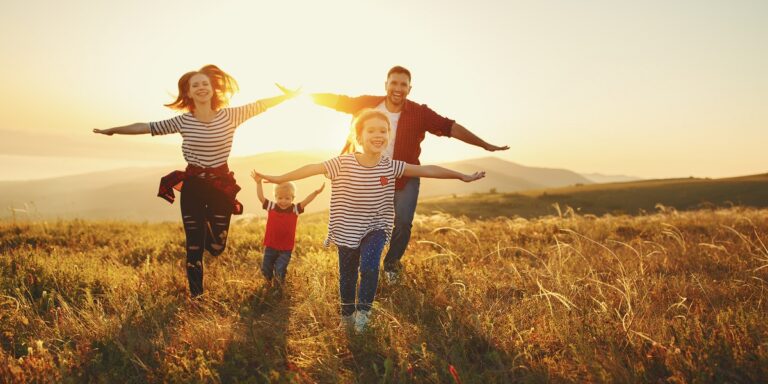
473, 177
291, 93
257, 177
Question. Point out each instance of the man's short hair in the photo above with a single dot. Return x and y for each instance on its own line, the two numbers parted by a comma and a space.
399, 69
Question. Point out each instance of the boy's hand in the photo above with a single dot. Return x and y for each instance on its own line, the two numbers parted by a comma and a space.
473, 177
257, 177
317, 191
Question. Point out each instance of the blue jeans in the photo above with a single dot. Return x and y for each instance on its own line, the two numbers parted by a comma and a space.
405, 207
275, 263
364, 258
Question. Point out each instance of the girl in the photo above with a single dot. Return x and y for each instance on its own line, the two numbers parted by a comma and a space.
362, 209
208, 188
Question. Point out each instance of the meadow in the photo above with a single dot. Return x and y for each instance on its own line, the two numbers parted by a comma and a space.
666, 296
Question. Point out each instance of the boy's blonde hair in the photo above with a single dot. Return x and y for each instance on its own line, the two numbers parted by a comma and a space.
287, 186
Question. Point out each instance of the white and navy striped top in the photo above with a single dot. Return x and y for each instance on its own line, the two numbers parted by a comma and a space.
362, 198
207, 145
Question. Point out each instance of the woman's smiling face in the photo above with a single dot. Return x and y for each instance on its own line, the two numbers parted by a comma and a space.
200, 89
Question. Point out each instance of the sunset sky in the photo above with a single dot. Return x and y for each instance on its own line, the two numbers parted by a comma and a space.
650, 89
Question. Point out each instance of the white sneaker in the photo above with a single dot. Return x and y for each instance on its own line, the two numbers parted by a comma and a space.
391, 277
361, 320
348, 322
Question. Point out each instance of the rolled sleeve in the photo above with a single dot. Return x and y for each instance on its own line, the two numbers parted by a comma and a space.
436, 124
332, 168
165, 127
398, 168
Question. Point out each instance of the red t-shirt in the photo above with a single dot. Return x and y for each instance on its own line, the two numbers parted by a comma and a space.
281, 225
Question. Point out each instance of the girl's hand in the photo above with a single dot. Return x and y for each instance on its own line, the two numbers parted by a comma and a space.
107, 132
320, 189
291, 93
257, 177
473, 177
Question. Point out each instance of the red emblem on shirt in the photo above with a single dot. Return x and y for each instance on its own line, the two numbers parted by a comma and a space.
383, 180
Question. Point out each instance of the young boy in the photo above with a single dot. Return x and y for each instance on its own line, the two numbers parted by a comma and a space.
281, 226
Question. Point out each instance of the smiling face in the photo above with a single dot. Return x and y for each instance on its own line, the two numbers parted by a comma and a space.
374, 135
284, 197
398, 86
200, 89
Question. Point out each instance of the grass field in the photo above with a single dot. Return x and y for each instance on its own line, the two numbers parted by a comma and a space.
665, 297
630, 198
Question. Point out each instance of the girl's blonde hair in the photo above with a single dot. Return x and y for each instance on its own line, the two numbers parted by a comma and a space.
224, 86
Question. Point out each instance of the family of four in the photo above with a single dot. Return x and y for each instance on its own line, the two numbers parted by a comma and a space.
374, 182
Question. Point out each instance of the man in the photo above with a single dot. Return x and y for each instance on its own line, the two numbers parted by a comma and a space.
409, 121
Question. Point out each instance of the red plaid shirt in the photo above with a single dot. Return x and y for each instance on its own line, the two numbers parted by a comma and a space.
415, 120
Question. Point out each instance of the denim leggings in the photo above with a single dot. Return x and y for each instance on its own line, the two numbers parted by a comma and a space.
275, 263
364, 259
206, 212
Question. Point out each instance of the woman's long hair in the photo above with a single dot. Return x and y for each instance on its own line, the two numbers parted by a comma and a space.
224, 86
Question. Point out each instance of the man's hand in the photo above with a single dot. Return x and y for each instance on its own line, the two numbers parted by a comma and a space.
257, 177
107, 132
494, 148
473, 177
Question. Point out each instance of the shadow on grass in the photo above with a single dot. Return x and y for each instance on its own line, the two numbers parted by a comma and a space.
133, 355
258, 353
446, 342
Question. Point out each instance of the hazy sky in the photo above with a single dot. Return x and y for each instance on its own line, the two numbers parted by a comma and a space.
650, 89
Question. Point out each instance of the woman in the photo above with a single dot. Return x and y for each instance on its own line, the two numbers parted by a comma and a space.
208, 188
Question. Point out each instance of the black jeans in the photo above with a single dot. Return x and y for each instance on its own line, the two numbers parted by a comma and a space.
205, 212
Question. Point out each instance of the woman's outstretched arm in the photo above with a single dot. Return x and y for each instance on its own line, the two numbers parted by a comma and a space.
296, 174
287, 94
131, 129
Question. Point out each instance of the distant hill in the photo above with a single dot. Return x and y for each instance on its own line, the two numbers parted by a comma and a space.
601, 178
130, 194
614, 198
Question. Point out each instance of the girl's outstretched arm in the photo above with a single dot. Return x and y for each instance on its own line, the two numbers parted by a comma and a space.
296, 174
437, 172
131, 129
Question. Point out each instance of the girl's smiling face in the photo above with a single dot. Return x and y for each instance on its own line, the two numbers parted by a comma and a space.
375, 135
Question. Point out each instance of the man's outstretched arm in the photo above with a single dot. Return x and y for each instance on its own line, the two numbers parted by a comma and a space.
463, 134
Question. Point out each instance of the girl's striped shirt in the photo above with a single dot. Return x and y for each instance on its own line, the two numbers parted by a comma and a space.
362, 198
207, 145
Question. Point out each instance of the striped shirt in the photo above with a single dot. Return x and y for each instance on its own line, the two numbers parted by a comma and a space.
207, 145
362, 198
415, 121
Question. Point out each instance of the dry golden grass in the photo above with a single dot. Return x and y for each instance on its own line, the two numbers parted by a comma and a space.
677, 297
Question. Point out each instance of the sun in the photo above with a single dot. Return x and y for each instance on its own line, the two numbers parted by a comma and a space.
296, 125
